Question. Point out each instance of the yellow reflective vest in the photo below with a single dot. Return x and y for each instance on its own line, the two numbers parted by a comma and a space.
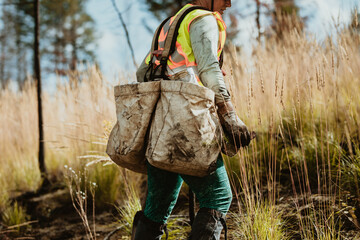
183, 54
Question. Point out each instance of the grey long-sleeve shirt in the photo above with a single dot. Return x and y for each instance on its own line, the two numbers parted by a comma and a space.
204, 37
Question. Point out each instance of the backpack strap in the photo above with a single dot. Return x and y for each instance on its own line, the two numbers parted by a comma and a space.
155, 42
173, 32
154, 46
170, 43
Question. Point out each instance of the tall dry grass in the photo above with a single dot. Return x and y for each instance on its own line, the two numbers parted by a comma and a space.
74, 121
300, 96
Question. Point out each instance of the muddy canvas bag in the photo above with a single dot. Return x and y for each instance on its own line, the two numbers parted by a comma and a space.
135, 104
185, 135
186, 111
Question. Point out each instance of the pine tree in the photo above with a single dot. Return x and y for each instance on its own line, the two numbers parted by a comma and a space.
15, 41
72, 31
67, 35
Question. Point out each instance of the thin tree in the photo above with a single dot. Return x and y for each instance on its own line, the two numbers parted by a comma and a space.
37, 73
258, 5
126, 32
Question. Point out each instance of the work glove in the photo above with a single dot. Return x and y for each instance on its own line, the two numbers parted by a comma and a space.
234, 129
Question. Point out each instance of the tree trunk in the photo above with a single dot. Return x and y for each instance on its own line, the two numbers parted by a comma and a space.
38, 81
3, 48
2, 61
126, 32
73, 40
258, 19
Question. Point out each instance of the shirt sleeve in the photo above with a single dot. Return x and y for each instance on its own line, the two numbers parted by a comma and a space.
204, 37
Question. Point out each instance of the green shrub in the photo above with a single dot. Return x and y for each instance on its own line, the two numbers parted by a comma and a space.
350, 171
109, 184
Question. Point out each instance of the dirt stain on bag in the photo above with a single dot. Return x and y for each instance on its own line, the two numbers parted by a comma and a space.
180, 148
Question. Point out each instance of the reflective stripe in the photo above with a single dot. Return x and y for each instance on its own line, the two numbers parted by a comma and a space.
148, 58
178, 58
222, 39
165, 29
199, 81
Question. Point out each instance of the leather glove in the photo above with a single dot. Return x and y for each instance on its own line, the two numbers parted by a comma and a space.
235, 130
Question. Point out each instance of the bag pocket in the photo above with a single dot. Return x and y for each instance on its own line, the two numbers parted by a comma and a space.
135, 104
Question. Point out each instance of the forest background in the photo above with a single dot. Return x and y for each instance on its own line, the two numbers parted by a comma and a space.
102, 33
298, 179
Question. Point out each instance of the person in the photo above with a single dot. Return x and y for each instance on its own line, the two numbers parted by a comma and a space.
196, 59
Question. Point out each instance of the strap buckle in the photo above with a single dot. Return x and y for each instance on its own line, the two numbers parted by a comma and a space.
163, 61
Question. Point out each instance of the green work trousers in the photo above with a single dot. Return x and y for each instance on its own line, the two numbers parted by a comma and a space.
212, 191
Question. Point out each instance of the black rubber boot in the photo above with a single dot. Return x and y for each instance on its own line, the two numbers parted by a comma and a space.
208, 225
145, 229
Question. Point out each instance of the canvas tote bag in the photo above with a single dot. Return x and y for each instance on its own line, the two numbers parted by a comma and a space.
185, 134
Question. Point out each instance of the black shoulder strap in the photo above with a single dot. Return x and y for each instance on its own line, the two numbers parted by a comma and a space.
154, 46
170, 42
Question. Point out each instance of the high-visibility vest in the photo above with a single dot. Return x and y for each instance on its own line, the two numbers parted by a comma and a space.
183, 54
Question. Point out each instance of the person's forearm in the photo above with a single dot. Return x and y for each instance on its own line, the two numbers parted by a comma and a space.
204, 35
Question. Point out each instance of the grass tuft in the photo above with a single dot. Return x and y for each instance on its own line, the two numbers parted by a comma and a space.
15, 215
261, 222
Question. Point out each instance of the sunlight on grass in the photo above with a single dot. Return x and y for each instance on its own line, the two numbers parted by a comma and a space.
128, 209
260, 222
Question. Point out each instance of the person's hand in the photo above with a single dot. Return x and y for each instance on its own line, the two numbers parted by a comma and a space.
234, 129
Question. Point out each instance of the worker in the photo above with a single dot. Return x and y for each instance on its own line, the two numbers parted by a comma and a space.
196, 59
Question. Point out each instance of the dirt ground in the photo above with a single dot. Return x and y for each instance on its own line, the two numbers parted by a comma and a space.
54, 217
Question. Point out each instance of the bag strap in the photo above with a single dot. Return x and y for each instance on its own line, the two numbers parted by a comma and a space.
173, 32
170, 43
155, 42
154, 46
